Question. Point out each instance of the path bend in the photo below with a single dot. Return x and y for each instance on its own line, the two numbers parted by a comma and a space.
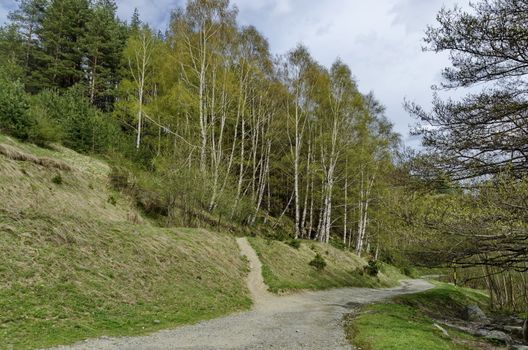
308, 320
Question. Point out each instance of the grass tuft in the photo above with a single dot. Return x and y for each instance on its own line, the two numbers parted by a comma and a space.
57, 179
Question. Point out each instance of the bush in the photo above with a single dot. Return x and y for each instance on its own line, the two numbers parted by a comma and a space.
372, 268
57, 179
409, 271
294, 243
318, 262
112, 200
70, 118
26, 117
44, 129
13, 108
119, 178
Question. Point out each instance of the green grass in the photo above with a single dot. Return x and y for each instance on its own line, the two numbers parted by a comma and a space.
445, 299
62, 281
286, 268
407, 321
74, 266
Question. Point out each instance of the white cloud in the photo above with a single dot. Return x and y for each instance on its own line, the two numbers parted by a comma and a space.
415, 15
5, 7
155, 12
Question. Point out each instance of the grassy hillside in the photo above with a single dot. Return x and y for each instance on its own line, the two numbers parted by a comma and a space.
407, 322
286, 268
78, 260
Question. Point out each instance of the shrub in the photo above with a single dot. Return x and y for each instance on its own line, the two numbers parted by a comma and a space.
44, 129
13, 108
294, 243
119, 178
318, 262
372, 268
409, 271
337, 243
57, 179
69, 117
112, 200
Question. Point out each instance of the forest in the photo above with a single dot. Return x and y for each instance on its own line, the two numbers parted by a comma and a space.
205, 127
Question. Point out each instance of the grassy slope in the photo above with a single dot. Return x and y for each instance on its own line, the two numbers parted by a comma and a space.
286, 268
74, 265
406, 322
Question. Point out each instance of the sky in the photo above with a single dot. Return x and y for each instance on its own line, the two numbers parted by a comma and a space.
381, 40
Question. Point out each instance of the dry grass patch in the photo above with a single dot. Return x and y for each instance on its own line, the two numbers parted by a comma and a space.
27, 186
65, 279
14, 154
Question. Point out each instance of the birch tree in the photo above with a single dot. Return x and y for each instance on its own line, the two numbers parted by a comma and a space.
341, 91
294, 71
201, 28
139, 52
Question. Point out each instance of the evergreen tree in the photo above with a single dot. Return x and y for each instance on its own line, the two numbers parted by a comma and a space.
13, 106
11, 46
27, 20
103, 43
63, 28
135, 22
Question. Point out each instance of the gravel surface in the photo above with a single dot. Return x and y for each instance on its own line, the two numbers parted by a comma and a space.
309, 320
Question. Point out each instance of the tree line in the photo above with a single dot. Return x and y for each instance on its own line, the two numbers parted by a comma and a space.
271, 140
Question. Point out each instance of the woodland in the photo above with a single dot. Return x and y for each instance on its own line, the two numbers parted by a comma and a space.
205, 127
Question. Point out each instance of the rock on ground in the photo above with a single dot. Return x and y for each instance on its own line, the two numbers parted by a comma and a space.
473, 313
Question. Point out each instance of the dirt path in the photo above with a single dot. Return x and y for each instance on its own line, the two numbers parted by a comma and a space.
310, 320
255, 282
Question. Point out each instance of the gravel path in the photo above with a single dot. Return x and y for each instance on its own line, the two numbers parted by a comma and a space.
309, 320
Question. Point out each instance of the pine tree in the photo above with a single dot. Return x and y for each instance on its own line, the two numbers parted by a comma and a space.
63, 27
27, 21
103, 43
135, 22
11, 46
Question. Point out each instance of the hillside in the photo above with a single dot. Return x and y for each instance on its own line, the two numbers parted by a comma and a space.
81, 261
286, 269
210, 120
78, 262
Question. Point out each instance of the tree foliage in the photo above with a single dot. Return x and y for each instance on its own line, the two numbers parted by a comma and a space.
486, 131
271, 141
475, 155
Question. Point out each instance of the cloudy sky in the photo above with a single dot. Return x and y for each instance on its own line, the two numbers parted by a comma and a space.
380, 40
